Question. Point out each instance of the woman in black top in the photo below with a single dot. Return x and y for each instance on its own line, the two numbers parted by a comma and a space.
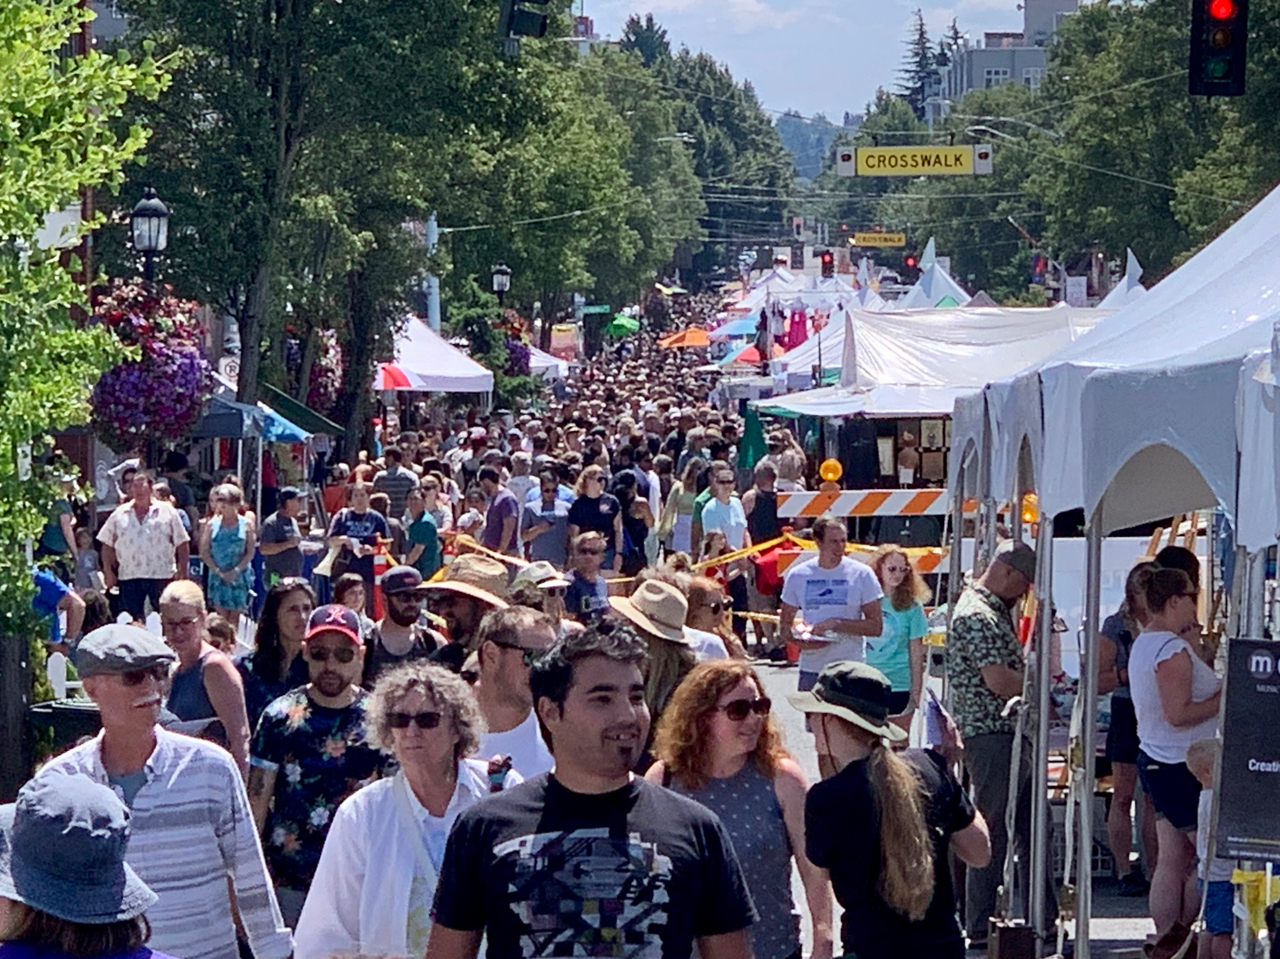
595, 511
883, 824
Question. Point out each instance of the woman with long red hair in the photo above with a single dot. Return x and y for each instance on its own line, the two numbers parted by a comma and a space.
718, 743
898, 651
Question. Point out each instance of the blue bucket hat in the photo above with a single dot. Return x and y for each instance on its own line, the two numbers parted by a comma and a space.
62, 847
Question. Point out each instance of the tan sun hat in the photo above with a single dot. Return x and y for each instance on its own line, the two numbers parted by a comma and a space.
657, 608
476, 576
542, 574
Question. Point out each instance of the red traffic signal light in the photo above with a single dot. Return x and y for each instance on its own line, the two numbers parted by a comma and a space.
1219, 29
910, 261
828, 261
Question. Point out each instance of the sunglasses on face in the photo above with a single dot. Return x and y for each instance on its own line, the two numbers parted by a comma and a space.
136, 677
421, 720
321, 654
591, 552
739, 709
528, 657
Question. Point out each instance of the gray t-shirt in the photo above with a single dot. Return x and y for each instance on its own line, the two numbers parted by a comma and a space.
396, 483
278, 528
553, 545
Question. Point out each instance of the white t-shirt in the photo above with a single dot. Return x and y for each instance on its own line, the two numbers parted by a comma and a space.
1220, 869
529, 754
839, 592
1161, 740
727, 518
705, 645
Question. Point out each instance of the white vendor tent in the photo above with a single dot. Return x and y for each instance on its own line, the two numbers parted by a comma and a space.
1129, 288
426, 361
934, 287
939, 347
547, 366
1214, 309
918, 363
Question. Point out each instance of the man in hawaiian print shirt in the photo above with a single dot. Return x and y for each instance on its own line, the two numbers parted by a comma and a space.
310, 753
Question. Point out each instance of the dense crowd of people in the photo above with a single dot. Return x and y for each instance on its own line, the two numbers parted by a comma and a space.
493, 681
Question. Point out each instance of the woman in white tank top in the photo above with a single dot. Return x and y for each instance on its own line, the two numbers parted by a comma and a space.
1175, 698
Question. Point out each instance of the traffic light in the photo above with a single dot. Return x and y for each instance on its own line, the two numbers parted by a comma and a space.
515, 19
910, 261
828, 260
1219, 30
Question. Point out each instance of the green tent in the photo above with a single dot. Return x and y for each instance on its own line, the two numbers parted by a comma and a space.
622, 325
752, 446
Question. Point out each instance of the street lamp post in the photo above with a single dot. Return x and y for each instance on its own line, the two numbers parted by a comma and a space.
150, 227
501, 280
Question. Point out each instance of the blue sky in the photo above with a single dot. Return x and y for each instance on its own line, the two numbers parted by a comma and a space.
809, 55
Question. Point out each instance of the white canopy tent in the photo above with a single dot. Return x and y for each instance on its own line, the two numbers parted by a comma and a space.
934, 286
427, 361
1129, 288
958, 348
1230, 285
547, 366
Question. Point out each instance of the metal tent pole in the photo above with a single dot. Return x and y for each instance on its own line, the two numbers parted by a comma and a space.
1040, 833
1088, 730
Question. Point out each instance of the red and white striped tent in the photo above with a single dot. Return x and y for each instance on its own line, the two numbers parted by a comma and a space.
427, 361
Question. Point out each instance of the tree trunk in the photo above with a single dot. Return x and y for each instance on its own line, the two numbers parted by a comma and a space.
357, 374
251, 325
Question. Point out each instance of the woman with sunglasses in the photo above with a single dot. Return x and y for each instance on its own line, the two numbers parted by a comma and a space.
206, 690
719, 744
374, 886
1175, 697
595, 511
898, 651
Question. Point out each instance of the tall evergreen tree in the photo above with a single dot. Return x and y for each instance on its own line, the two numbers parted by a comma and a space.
917, 66
647, 38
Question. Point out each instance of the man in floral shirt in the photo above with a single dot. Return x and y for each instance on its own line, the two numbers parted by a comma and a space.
310, 753
985, 670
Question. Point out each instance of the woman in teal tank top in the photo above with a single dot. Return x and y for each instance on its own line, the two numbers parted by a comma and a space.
898, 651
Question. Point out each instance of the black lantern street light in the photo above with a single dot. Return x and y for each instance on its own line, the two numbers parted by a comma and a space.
501, 280
150, 226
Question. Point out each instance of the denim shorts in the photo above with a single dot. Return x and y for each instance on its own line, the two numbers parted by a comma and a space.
1173, 790
1218, 906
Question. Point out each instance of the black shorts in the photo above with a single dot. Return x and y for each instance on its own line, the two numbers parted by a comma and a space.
1122, 737
1173, 790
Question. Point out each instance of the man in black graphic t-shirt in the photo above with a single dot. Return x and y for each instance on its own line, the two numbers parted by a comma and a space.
590, 860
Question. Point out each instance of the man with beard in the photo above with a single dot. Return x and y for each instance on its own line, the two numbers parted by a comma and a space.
399, 637
310, 753
510, 640
590, 857
472, 585
192, 840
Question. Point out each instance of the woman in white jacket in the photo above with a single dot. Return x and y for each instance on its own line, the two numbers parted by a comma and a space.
374, 887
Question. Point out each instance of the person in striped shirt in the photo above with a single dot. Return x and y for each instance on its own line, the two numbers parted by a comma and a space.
193, 837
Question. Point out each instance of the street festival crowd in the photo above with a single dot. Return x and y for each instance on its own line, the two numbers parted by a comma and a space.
516, 708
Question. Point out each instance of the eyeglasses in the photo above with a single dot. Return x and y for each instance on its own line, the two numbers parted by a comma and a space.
529, 657
173, 625
554, 590
421, 720
590, 552
321, 654
739, 709
136, 677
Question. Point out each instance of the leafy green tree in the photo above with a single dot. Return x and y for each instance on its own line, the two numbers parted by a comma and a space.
746, 172
60, 118
261, 80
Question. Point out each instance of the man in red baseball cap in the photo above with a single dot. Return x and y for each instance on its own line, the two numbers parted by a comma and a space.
310, 753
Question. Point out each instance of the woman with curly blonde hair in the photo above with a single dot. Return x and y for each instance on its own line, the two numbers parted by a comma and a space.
374, 886
718, 743
898, 651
